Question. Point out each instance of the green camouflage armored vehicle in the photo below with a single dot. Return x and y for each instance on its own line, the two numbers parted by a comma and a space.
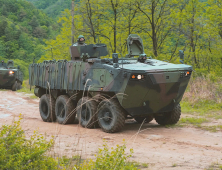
107, 91
10, 77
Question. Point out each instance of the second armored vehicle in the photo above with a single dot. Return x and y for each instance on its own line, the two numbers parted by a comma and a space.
10, 77
107, 91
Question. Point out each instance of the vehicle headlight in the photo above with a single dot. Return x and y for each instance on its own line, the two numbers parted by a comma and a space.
137, 76
11, 72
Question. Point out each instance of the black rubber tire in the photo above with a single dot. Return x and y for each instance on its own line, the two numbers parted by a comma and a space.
111, 116
15, 86
47, 108
169, 118
140, 119
86, 112
65, 110
19, 86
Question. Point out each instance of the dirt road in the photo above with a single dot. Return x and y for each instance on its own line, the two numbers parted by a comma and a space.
160, 147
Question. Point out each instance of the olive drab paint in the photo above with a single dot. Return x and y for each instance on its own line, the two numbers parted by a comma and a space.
142, 85
9, 75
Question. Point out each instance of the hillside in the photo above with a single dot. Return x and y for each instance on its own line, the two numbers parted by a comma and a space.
52, 7
23, 29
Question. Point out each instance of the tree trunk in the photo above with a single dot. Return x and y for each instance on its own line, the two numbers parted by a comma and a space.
154, 37
115, 30
90, 20
73, 32
192, 44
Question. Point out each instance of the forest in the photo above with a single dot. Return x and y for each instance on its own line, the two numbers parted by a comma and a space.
166, 26
52, 7
23, 31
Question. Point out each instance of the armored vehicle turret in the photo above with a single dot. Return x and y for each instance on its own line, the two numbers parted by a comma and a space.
10, 77
107, 91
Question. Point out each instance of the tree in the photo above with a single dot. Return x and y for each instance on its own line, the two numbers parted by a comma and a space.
158, 21
34, 22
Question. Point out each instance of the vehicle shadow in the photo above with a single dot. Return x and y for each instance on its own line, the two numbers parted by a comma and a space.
131, 125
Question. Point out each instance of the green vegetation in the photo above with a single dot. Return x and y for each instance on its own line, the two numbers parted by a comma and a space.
164, 26
145, 165
203, 97
174, 165
202, 102
23, 29
52, 7
21, 152
215, 166
192, 120
17, 152
109, 159
214, 128
26, 89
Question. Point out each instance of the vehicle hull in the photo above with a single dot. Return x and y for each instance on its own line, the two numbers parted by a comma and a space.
158, 92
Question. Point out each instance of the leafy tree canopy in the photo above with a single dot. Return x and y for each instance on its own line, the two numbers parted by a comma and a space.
23, 29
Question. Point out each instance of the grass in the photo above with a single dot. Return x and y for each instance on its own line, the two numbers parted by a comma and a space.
26, 89
215, 166
202, 108
144, 165
203, 96
174, 165
212, 128
193, 121
203, 102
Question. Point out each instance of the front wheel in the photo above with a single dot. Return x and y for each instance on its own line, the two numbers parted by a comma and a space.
169, 118
15, 86
111, 116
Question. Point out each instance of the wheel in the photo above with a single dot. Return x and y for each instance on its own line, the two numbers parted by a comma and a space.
47, 108
147, 119
65, 110
19, 86
111, 116
15, 86
86, 112
169, 118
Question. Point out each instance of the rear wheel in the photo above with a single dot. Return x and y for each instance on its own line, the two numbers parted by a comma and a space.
65, 110
169, 118
86, 112
47, 108
146, 119
111, 116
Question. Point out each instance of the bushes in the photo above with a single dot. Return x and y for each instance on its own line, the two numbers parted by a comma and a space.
17, 152
109, 159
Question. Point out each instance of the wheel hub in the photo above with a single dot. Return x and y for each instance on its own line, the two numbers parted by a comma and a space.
107, 117
61, 110
85, 114
44, 108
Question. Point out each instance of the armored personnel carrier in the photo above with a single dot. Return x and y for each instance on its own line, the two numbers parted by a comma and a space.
106, 91
10, 77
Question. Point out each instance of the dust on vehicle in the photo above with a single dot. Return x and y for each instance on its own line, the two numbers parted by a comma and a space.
105, 92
